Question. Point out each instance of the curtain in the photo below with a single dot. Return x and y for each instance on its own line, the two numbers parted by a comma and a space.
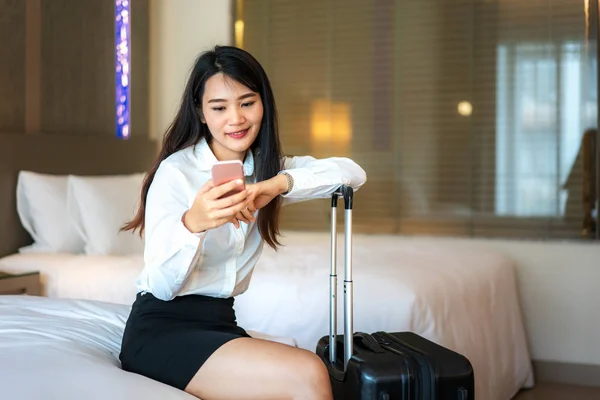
468, 115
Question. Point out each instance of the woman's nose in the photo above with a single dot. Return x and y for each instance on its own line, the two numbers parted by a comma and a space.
236, 117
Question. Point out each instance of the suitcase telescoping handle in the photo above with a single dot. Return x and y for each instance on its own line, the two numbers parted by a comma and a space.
347, 193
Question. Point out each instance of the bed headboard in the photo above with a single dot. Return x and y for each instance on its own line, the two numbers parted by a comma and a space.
61, 154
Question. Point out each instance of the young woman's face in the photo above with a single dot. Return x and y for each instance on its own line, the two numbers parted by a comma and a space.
233, 114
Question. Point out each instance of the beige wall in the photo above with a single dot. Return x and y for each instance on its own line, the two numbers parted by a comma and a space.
179, 31
558, 281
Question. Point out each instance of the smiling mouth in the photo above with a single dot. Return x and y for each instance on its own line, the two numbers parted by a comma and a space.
238, 134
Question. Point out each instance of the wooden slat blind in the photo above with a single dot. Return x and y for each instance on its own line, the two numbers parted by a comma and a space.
468, 115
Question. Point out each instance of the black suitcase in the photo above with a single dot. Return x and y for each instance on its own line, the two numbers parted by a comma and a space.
381, 365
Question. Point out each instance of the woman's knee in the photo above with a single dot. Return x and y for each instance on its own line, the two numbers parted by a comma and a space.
313, 371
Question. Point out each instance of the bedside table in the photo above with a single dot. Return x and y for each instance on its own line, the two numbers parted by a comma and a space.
20, 283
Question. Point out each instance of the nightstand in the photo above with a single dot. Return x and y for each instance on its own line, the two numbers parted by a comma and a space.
20, 283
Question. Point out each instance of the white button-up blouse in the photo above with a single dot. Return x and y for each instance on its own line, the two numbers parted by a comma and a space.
217, 262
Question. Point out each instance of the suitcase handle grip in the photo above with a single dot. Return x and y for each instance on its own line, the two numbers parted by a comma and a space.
369, 342
348, 194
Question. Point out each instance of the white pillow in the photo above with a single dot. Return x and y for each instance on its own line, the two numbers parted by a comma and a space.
42, 209
99, 206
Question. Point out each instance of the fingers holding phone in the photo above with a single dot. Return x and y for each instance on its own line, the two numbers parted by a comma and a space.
209, 211
226, 171
219, 200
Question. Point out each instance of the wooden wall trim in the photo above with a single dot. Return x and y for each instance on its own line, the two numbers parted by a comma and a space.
567, 373
33, 65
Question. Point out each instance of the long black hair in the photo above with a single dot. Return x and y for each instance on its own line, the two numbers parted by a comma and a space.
187, 128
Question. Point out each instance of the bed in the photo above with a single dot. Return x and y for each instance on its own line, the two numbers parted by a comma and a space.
459, 297
69, 350
78, 276
462, 298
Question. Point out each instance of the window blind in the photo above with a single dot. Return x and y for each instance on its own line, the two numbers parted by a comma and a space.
469, 116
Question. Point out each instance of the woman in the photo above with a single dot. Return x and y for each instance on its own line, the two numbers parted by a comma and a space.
200, 250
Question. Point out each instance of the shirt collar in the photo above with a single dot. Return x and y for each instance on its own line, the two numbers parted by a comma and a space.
206, 158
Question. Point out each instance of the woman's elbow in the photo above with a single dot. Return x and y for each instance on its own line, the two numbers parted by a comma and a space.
358, 177
161, 286
361, 178
161, 294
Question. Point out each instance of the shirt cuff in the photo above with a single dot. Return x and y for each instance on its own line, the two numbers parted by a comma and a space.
306, 183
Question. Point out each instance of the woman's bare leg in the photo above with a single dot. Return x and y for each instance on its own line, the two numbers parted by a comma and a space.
255, 369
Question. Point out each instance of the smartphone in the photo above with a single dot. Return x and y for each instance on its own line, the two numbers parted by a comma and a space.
227, 171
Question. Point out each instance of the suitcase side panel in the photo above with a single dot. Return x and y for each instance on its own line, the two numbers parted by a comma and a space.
451, 374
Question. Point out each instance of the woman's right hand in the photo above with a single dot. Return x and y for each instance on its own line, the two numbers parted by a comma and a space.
209, 211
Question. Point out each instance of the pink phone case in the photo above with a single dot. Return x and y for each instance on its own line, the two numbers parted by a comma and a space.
226, 171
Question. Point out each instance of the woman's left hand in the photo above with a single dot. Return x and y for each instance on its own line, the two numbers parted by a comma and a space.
246, 215
262, 194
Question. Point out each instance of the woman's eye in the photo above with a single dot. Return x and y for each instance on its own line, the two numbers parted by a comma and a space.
218, 108
248, 104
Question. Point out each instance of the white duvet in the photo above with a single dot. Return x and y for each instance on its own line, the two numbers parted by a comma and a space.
457, 296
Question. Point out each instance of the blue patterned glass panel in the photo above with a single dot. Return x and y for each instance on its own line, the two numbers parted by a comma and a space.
123, 80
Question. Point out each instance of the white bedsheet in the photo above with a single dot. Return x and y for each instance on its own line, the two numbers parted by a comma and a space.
69, 350
455, 295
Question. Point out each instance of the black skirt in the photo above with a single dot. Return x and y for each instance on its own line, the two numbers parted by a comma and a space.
169, 341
